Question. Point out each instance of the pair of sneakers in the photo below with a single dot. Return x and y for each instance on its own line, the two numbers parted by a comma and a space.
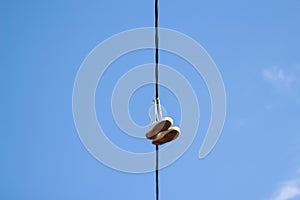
161, 131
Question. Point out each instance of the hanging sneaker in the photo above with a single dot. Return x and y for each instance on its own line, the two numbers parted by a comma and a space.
166, 136
159, 126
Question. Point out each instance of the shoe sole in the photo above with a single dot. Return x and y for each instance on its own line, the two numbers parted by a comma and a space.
162, 125
166, 136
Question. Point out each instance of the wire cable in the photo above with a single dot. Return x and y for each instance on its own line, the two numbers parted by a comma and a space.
157, 103
156, 173
156, 49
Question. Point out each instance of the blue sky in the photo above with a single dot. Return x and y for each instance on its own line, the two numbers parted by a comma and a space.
255, 45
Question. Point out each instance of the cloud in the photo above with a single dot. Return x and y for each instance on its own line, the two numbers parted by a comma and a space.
288, 191
278, 76
283, 81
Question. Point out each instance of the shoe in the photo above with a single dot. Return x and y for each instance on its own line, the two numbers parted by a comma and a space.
166, 136
159, 126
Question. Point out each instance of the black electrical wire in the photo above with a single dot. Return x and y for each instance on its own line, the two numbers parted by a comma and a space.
156, 92
157, 191
156, 49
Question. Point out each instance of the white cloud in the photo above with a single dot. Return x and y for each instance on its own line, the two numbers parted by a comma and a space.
284, 81
288, 191
278, 76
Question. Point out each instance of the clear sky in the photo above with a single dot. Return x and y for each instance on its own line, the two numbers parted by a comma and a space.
255, 45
